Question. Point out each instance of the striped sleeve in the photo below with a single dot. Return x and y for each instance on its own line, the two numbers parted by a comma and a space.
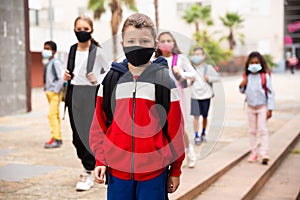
176, 132
98, 130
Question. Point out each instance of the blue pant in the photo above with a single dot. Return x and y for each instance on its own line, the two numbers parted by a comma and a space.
200, 107
137, 190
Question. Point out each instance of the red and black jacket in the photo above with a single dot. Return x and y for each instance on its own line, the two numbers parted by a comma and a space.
134, 145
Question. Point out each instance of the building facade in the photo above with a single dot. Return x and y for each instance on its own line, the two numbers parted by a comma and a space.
263, 25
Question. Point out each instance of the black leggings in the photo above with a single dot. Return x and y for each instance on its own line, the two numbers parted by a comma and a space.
81, 142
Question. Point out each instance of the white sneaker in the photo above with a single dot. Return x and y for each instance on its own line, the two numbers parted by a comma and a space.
191, 156
86, 181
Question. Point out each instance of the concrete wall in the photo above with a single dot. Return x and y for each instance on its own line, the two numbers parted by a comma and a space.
12, 57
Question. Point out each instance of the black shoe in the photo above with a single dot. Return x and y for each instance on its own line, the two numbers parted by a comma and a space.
60, 142
203, 138
52, 144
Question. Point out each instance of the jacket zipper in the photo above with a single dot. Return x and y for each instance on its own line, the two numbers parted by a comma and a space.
132, 125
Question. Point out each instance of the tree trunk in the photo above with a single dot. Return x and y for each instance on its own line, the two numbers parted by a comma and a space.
116, 18
197, 27
231, 39
156, 12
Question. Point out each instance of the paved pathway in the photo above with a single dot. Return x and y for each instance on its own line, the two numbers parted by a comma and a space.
28, 171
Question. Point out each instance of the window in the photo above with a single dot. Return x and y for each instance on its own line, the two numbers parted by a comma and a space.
34, 17
182, 6
250, 7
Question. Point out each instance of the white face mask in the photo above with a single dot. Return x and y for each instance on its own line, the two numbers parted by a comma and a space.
254, 68
196, 59
46, 53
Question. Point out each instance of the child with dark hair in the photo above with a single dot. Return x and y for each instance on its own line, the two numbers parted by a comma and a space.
139, 147
257, 86
53, 81
202, 91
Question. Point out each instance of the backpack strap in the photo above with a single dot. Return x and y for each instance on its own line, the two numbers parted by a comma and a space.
109, 94
205, 69
174, 60
163, 95
183, 83
70, 68
264, 83
71, 58
91, 58
53, 70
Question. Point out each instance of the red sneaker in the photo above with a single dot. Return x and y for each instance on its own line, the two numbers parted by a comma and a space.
52, 144
50, 141
252, 158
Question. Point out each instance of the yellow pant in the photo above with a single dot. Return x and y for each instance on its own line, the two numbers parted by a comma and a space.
53, 116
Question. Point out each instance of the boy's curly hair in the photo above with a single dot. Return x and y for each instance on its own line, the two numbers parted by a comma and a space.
139, 20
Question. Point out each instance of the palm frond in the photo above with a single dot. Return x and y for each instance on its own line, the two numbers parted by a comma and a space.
131, 5
97, 6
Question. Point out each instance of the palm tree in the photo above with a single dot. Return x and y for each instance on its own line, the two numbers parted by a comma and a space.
98, 6
232, 20
197, 14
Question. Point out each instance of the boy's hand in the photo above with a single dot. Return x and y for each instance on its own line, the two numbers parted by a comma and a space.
92, 78
99, 173
172, 183
269, 114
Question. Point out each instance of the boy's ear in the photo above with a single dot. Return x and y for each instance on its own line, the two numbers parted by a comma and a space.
122, 43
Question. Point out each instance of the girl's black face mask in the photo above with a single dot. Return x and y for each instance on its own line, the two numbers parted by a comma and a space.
83, 36
138, 55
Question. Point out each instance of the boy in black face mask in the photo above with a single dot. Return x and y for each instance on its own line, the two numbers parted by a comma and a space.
140, 154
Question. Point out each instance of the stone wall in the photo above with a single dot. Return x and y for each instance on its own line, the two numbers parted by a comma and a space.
13, 97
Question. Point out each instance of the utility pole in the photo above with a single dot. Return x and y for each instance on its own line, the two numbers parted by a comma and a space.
27, 57
51, 19
156, 13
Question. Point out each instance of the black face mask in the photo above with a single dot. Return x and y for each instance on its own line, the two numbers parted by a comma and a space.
83, 36
138, 55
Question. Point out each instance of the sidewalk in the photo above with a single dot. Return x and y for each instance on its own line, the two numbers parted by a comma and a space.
28, 171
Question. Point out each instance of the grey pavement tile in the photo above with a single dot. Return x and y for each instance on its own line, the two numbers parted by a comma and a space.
5, 129
55, 191
235, 123
4, 152
18, 172
9, 187
13, 196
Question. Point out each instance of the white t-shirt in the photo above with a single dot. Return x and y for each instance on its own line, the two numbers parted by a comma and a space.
80, 69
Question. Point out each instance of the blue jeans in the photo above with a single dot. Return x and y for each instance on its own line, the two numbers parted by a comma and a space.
137, 190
